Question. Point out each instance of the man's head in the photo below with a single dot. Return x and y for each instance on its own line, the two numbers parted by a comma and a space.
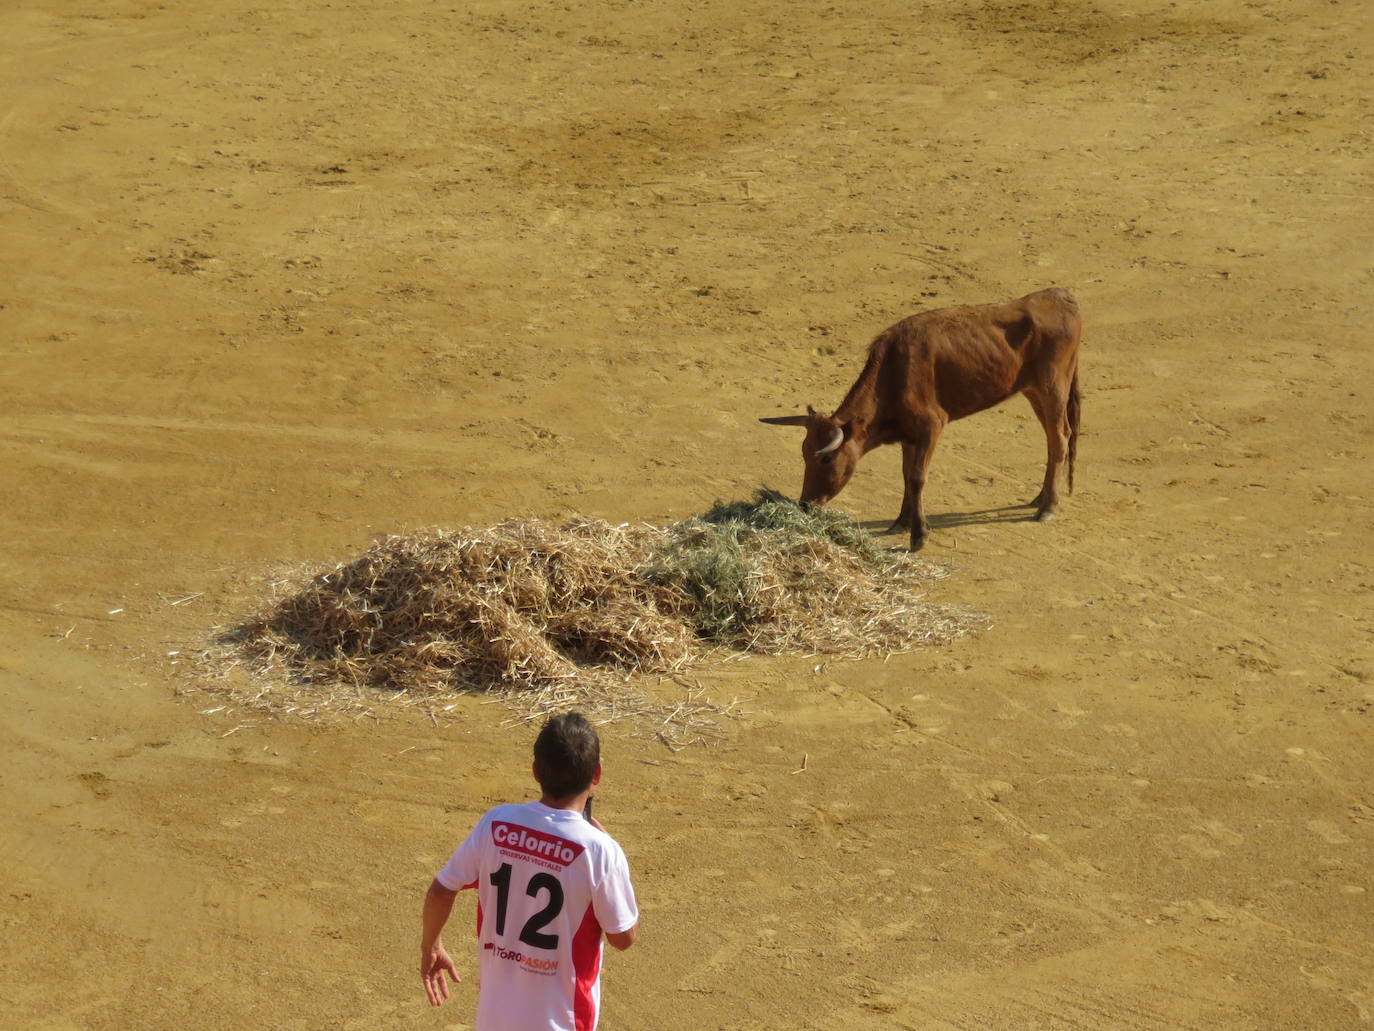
567, 756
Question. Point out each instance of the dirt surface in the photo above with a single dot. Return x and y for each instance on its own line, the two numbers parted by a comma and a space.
276, 278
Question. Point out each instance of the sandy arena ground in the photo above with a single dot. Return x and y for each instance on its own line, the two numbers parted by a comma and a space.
279, 277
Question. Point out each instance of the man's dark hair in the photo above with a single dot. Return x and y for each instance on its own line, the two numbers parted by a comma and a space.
566, 755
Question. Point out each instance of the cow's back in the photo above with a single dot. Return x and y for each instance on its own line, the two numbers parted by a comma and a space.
966, 359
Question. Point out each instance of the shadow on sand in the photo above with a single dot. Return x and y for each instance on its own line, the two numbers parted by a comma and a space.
1023, 513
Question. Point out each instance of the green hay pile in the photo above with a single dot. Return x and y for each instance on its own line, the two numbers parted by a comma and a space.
566, 613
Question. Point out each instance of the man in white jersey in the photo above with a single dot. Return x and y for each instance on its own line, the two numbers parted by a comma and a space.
550, 882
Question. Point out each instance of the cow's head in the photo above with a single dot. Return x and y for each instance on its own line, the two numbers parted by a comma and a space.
829, 451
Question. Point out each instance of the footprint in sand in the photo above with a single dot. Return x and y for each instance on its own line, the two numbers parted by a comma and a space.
1199, 845
1222, 834
1328, 832
1213, 838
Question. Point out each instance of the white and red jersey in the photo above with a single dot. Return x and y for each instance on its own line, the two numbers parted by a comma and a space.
548, 883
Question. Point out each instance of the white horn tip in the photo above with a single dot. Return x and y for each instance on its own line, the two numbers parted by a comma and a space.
834, 444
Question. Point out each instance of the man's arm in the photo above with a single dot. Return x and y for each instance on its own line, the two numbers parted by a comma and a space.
434, 960
621, 940
624, 939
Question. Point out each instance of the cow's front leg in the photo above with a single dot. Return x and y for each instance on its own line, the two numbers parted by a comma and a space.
919, 526
915, 462
903, 520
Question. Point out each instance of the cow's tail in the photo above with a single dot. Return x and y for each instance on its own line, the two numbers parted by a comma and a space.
1075, 408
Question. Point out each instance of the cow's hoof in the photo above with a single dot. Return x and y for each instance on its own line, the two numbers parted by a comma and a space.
1044, 515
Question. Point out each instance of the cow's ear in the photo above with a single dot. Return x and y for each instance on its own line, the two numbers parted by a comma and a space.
787, 420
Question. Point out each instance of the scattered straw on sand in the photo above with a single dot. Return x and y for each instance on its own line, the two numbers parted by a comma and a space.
550, 616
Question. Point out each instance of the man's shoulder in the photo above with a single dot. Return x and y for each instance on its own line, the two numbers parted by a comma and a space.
558, 823
603, 847
507, 811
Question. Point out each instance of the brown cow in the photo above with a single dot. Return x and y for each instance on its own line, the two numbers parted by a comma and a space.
937, 366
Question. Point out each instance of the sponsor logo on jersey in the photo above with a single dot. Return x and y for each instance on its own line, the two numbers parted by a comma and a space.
534, 964
545, 849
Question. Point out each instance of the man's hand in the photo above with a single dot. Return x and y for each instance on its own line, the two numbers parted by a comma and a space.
433, 964
434, 960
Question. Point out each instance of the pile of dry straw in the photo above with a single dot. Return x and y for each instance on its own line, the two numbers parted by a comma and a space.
559, 615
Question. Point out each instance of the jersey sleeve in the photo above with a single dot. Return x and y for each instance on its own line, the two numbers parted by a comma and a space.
613, 897
462, 869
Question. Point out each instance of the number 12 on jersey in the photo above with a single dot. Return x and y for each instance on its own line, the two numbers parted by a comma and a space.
532, 933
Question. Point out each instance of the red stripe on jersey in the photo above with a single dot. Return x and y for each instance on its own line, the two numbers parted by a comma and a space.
586, 957
479, 907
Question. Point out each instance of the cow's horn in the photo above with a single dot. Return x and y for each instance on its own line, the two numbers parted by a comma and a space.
835, 442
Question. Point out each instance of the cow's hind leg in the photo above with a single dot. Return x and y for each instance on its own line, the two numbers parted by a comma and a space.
1051, 408
903, 520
